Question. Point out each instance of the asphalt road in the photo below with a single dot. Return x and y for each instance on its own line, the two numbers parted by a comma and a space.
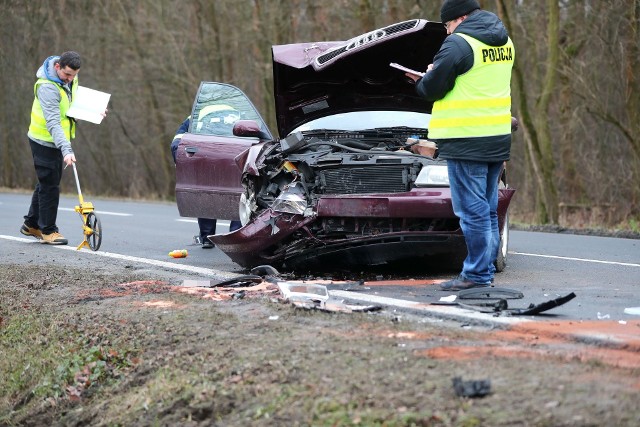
604, 272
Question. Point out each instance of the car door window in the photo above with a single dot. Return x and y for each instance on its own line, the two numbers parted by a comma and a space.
218, 106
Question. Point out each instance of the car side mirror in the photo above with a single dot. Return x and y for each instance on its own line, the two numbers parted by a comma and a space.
249, 128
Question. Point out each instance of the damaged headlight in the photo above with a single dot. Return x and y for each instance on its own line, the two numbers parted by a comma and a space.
246, 207
433, 176
291, 200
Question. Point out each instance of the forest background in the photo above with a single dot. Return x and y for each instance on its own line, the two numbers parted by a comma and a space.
576, 88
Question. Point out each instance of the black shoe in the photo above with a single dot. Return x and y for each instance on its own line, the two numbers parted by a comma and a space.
460, 283
206, 244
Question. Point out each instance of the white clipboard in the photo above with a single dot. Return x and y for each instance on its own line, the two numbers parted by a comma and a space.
405, 69
88, 104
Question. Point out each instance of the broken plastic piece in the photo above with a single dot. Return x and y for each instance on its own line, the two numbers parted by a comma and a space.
487, 307
265, 270
237, 281
314, 296
632, 310
339, 306
302, 291
537, 309
450, 298
292, 142
473, 388
490, 293
501, 306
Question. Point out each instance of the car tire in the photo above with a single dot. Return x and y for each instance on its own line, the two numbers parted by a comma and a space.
501, 259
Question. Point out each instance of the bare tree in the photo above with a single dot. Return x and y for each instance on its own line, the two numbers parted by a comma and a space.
580, 116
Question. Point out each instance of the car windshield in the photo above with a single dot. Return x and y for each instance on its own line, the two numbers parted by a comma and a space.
360, 120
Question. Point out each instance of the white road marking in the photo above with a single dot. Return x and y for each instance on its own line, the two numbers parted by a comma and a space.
162, 264
597, 261
100, 212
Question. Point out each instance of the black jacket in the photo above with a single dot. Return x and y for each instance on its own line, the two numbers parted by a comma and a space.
455, 58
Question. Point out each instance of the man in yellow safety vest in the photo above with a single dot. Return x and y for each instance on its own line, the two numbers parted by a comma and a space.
50, 134
469, 83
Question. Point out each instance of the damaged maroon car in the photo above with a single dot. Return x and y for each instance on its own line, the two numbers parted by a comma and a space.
341, 187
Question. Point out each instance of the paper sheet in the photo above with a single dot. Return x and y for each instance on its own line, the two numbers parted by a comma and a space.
406, 70
89, 104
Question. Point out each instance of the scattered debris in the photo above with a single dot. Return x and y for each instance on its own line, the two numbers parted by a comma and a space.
191, 283
448, 299
487, 307
179, 253
472, 388
494, 300
239, 281
314, 296
490, 293
537, 309
265, 270
304, 291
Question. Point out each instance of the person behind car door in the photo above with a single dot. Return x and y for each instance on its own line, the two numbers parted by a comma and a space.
469, 83
50, 133
207, 226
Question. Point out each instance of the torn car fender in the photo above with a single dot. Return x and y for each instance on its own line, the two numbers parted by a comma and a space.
247, 160
245, 245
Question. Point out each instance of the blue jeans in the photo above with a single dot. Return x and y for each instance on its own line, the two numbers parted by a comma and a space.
474, 195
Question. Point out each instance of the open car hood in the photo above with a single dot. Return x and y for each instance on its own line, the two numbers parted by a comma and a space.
313, 80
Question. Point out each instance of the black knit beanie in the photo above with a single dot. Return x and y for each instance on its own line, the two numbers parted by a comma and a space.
452, 9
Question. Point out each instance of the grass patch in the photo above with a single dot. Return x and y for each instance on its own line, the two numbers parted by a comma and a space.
52, 360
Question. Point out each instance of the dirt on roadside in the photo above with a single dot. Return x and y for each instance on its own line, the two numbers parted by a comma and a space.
119, 348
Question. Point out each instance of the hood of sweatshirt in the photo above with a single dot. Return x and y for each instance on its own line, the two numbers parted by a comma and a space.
47, 70
484, 26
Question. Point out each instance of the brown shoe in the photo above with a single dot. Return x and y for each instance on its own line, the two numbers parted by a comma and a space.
30, 231
54, 238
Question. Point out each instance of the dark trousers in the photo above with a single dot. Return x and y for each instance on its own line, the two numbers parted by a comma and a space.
207, 227
43, 211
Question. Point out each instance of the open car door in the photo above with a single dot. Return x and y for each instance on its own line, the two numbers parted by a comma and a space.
207, 177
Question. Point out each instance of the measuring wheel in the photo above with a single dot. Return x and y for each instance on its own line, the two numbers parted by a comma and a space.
91, 227
93, 231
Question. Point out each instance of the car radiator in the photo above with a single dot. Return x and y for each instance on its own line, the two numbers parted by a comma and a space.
363, 180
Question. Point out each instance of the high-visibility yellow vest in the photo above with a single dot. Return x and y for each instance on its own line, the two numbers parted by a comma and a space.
480, 102
180, 135
38, 126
